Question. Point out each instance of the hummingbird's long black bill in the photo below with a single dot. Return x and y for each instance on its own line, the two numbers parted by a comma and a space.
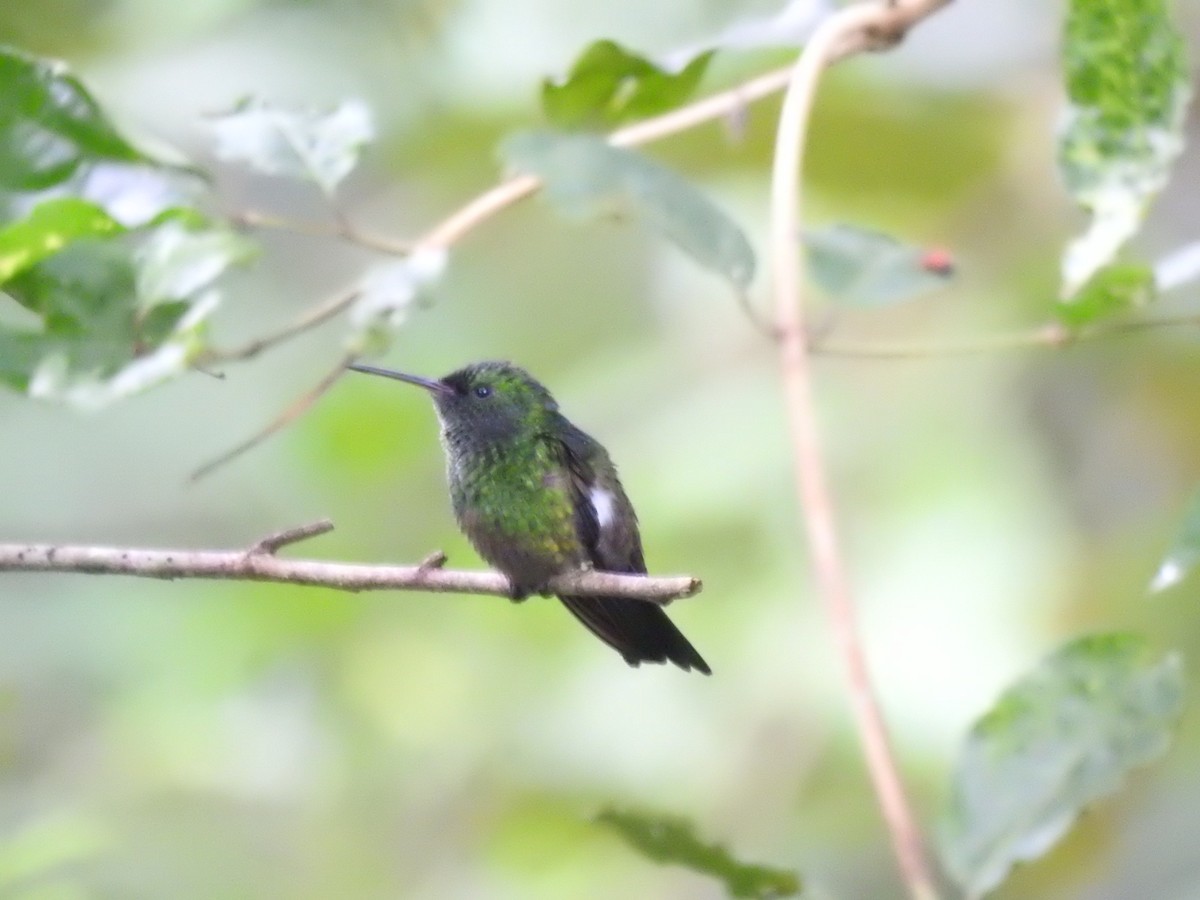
430, 384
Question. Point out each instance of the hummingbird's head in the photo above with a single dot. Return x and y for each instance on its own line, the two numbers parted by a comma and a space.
484, 402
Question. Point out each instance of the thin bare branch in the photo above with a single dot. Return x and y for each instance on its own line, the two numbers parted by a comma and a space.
1050, 336
864, 26
271, 544
259, 563
341, 228
299, 406
311, 318
434, 560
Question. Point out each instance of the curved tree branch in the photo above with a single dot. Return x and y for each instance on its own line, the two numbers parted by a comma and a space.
872, 25
260, 563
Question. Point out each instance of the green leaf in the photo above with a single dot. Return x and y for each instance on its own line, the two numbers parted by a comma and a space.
20, 352
1058, 740
83, 297
118, 293
1184, 554
321, 147
858, 267
585, 176
50, 125
609, 84
115, 314
1115, 289
159, 322
47, 229
1127, 82
667, 839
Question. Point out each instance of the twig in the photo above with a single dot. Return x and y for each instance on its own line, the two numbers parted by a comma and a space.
340, 228
311, 318
259, 563
434, 560
1051, 336
298, 407
716, 106
272, 543
862, 26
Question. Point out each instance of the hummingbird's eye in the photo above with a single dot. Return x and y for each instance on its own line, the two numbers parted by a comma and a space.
483, 391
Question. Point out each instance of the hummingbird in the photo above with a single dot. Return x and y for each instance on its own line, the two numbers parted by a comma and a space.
537, 497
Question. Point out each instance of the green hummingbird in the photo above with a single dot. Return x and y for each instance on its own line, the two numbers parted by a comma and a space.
537, 497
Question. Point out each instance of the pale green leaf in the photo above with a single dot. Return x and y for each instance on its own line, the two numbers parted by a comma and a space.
585, 176
321, 147
177, 263
1058, 740
1128, 88
386, 294
859, 267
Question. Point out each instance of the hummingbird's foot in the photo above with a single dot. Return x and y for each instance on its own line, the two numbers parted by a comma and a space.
520, 592
517, 592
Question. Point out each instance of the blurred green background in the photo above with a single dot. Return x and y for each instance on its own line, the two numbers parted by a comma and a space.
225, 740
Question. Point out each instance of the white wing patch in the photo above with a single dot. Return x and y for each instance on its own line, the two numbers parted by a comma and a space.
602, 503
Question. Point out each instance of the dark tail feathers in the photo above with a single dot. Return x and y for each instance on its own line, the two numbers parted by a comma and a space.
639, 631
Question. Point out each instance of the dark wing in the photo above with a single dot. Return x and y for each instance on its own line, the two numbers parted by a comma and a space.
639, 631
618, 546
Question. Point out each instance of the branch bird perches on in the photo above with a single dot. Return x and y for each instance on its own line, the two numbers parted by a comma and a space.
259, 562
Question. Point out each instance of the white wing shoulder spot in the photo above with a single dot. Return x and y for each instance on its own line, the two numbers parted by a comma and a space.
603, 503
